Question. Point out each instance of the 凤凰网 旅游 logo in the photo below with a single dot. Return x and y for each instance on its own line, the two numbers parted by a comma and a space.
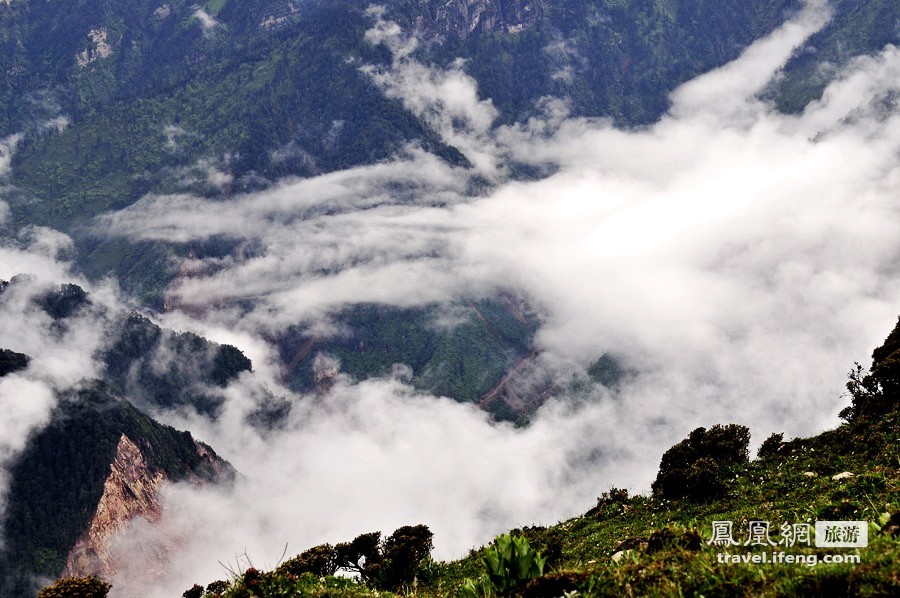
824, 534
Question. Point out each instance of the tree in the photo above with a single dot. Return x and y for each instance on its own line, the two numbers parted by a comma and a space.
362, 556
876, 392
319, 560
404, 553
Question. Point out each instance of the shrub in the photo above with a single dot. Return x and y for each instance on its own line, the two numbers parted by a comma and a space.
76, 587
196, 591
319, 560
668, 538
362, 556
771, 446
217, 588
696, 466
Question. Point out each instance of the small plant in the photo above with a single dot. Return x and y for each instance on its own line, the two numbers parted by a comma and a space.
509, 563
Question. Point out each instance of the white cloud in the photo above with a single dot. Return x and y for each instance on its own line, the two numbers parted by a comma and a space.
207, 22
7, 149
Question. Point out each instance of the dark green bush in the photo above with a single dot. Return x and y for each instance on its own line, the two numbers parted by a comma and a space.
217, 588
771, 446
196, 591
697, 466
319, 560
362, 556
76, 587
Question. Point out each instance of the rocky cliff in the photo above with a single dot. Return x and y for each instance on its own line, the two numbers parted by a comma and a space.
130, 491
465, 17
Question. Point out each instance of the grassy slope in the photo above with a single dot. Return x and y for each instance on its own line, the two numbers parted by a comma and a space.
777, 489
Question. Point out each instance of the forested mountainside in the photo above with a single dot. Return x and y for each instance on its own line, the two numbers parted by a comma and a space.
114, 100
106, 102
97, 465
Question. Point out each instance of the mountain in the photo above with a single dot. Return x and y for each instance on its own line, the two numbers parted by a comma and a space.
110, 101
163, 98
11, 362
97, 465
469, 357
100, 461
104, 103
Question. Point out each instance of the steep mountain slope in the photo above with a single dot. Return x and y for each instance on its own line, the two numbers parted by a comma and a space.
166, 101
154, 367
98, 462
115, 100
97, 465
106, 102
461, 351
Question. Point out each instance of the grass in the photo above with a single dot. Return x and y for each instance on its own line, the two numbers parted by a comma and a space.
662, 547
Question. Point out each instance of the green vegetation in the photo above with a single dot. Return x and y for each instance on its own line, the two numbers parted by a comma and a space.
214, 6
76, 587
463, 358
393, 565
510, 562
858, 28
319, 560
161, 368
263, 102
698, 466
62, 302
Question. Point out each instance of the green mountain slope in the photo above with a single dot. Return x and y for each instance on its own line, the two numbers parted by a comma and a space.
460, 351
275, 90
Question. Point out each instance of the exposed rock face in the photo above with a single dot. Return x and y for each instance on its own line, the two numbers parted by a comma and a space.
101, 47
465, 17
130, 491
